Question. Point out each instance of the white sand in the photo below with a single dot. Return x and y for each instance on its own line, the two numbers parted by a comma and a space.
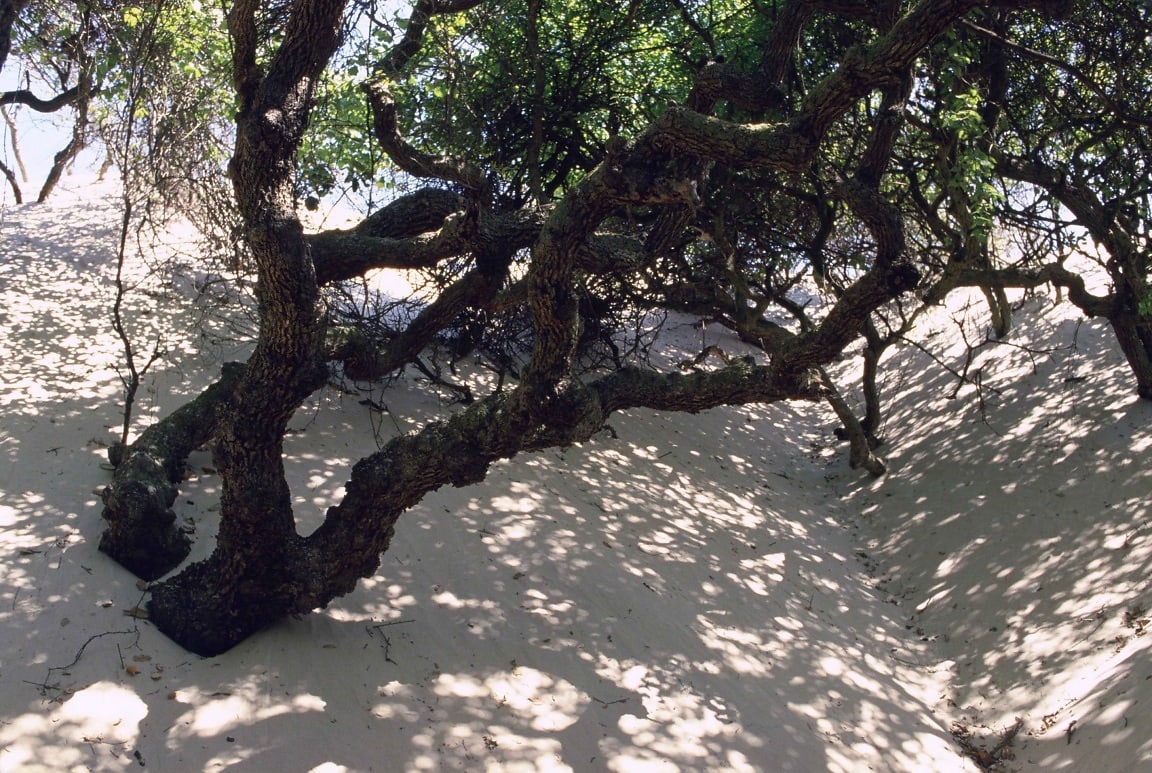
689, 596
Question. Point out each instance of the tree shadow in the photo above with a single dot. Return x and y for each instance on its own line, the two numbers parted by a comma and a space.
669, 599
1013, 530
682, 596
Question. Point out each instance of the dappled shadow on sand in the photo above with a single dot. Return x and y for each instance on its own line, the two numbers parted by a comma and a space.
668, 600
679, 597
59, 409
1014, 531
58, 402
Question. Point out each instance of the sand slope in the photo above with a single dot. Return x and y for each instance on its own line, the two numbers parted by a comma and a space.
1014, 528
693, 594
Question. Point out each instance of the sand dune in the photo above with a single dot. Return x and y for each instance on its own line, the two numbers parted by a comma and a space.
712, 592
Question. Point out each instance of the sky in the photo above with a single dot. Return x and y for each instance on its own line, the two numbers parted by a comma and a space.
39, 136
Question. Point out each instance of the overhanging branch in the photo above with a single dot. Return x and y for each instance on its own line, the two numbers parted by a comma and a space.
51, 105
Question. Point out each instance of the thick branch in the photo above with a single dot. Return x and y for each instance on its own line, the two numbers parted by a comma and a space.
414, 213
347, 254
781, 44
885, 61
407, 157
461, 450
9, 11
740, 145
1053, 273
844, 322
28, 99
383, 106
310, 39
141, 533
397, 59
246, 75
752, 92
792, 146
400, 241
399, 235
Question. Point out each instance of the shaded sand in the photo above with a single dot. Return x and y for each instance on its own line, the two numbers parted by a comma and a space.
1014, 530
694, 594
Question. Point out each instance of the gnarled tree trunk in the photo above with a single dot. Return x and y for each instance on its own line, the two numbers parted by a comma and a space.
245, 584
262, 569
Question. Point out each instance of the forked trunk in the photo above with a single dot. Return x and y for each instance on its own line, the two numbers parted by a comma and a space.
245, 584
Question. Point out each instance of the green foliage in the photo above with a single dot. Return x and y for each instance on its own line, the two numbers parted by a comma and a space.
133, 16
165, 92
170, 59
339, 153
966, 172
477, 88
601, 76
533, 91
1146, 306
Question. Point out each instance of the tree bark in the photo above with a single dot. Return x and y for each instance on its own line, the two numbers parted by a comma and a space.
242, 586
11, 177
9, 12
860, 452
141, 532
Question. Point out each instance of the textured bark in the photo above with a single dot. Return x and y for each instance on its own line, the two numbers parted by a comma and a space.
208, 608
141, 532
236, 590
1134, 334
860, 452
423, 232
9, 11
874, 346
346, 254
460, 451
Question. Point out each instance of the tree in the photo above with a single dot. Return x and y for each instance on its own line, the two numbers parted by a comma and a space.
798, 157
57, 44
1092, 159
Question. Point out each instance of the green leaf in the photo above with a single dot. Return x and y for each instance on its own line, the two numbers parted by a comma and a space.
133, 16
